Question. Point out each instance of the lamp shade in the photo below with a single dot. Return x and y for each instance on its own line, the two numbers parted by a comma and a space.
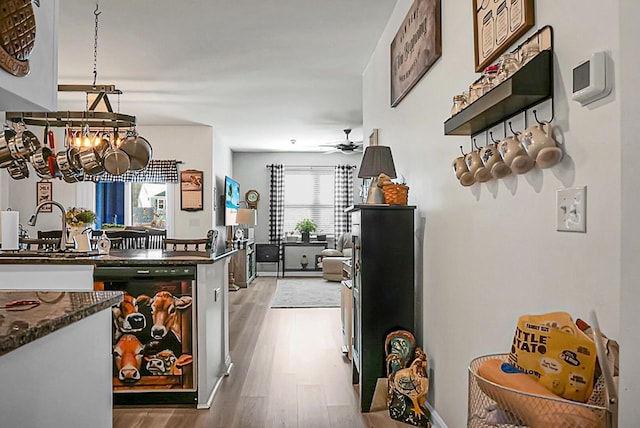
376, 160
247, 216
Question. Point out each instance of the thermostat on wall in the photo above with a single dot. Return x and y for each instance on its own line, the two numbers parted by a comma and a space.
590, 81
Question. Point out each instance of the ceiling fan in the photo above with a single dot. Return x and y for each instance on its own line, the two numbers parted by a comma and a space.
347, 146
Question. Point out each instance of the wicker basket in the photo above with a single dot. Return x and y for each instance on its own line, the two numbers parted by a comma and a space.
486, 397
396, 194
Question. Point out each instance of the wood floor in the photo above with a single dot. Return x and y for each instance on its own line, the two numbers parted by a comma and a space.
288, 372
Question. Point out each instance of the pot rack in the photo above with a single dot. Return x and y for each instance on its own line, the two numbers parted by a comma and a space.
95, 120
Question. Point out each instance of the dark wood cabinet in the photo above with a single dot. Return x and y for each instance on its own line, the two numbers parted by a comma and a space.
383, 287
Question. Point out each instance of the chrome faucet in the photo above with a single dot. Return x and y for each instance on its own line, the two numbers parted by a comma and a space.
63, 245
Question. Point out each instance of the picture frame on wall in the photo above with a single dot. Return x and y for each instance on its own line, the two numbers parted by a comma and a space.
44, 192
415, 48
191, 190
497, 25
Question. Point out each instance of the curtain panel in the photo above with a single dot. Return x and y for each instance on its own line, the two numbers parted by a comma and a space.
276, 203
343, 198
158, 171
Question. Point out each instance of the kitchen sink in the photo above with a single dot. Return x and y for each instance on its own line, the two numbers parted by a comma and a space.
46, 254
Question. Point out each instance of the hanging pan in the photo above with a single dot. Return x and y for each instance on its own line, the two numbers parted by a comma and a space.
115, 160
139, 151
5, 154
40, 159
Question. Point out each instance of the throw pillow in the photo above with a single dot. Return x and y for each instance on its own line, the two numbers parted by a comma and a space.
330, 252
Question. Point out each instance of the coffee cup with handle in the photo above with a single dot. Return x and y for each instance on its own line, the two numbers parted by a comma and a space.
493, 161
540, 145
476, 167
514, 155
462, 171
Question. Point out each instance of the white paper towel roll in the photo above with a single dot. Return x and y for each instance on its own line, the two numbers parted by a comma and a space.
9, 229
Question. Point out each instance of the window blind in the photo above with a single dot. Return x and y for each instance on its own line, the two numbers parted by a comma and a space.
309, 193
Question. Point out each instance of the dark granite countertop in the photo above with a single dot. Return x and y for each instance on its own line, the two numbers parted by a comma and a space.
23, 324
116, 258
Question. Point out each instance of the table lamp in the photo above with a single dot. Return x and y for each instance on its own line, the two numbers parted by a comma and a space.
245, 217
376, 160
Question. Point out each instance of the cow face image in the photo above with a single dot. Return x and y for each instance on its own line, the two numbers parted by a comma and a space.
164, 307
127, 356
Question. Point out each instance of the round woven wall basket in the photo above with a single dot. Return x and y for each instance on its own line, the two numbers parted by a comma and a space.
396, 194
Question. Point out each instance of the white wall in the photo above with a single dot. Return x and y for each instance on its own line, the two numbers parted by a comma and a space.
490, 253
250, 170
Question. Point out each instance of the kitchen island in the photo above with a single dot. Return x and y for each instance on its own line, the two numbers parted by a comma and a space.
55, 361
209, 302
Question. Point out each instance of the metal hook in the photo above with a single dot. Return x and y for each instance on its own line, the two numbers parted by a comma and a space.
95, 12
475, 145
491, 136
462, 151
536, 116
512, 131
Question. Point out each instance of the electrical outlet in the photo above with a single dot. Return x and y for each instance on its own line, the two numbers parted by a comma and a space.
571, 206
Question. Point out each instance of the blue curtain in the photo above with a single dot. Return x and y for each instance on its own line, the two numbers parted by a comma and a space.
109, 203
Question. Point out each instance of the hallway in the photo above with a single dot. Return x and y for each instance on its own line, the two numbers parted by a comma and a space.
288, 372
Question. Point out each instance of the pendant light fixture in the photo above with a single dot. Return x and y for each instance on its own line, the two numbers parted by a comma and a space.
98, 115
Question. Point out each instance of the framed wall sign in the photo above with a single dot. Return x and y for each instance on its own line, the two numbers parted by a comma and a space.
496, 25
191, 190
44, 192
415, 48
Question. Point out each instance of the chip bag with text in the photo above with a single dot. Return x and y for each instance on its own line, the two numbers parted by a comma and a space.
554, 351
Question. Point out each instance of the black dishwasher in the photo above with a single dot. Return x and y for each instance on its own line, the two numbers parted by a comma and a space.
154, 333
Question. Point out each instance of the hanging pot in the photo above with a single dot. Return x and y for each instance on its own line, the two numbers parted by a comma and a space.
116, 161
69, 165
40, 162
139, 151
90, 161
40, 159
5, 154
18, 170
23, 144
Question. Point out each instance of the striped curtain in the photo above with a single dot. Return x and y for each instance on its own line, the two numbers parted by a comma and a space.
158, 171
276, 204
343, 198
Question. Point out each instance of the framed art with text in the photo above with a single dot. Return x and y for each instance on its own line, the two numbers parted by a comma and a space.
496, 25
415, 48
191, 190
44, 192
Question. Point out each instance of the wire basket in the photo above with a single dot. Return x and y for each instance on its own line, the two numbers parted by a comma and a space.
493, 405
396, 194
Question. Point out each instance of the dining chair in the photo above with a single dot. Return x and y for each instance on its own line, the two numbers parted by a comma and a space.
128, 239
49, 235
193, 244
156, 238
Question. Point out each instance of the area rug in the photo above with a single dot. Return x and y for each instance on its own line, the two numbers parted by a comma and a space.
306, 293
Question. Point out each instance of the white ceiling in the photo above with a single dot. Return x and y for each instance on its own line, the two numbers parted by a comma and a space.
261, 72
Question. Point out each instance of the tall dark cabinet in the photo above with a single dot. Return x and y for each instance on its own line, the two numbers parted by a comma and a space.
383, 287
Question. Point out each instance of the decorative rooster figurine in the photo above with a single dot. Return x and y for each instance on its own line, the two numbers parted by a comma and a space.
413, 382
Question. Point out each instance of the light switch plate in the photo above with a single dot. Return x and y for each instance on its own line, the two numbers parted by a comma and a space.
571, 206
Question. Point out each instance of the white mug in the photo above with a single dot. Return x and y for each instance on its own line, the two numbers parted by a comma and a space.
476, 167
462, 171
540, 145
514, 155
493, 161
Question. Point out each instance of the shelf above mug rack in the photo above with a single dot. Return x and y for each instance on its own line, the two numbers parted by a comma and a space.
530, 85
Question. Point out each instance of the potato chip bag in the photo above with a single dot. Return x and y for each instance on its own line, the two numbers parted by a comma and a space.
554, 351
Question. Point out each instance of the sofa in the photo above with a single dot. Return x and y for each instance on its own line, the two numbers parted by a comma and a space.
332, 258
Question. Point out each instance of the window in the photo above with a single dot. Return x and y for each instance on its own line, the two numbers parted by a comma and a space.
148, 204
308, 193
133, 204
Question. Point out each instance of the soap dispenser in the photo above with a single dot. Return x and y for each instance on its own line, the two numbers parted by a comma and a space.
104, 243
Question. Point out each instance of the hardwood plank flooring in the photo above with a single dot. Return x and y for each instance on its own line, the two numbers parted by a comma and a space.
288, 372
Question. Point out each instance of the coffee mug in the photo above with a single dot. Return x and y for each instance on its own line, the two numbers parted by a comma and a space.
462, 171
514, 155
538, 141
493, 161
476, 167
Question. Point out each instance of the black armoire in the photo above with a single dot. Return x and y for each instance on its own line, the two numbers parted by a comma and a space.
383, 287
